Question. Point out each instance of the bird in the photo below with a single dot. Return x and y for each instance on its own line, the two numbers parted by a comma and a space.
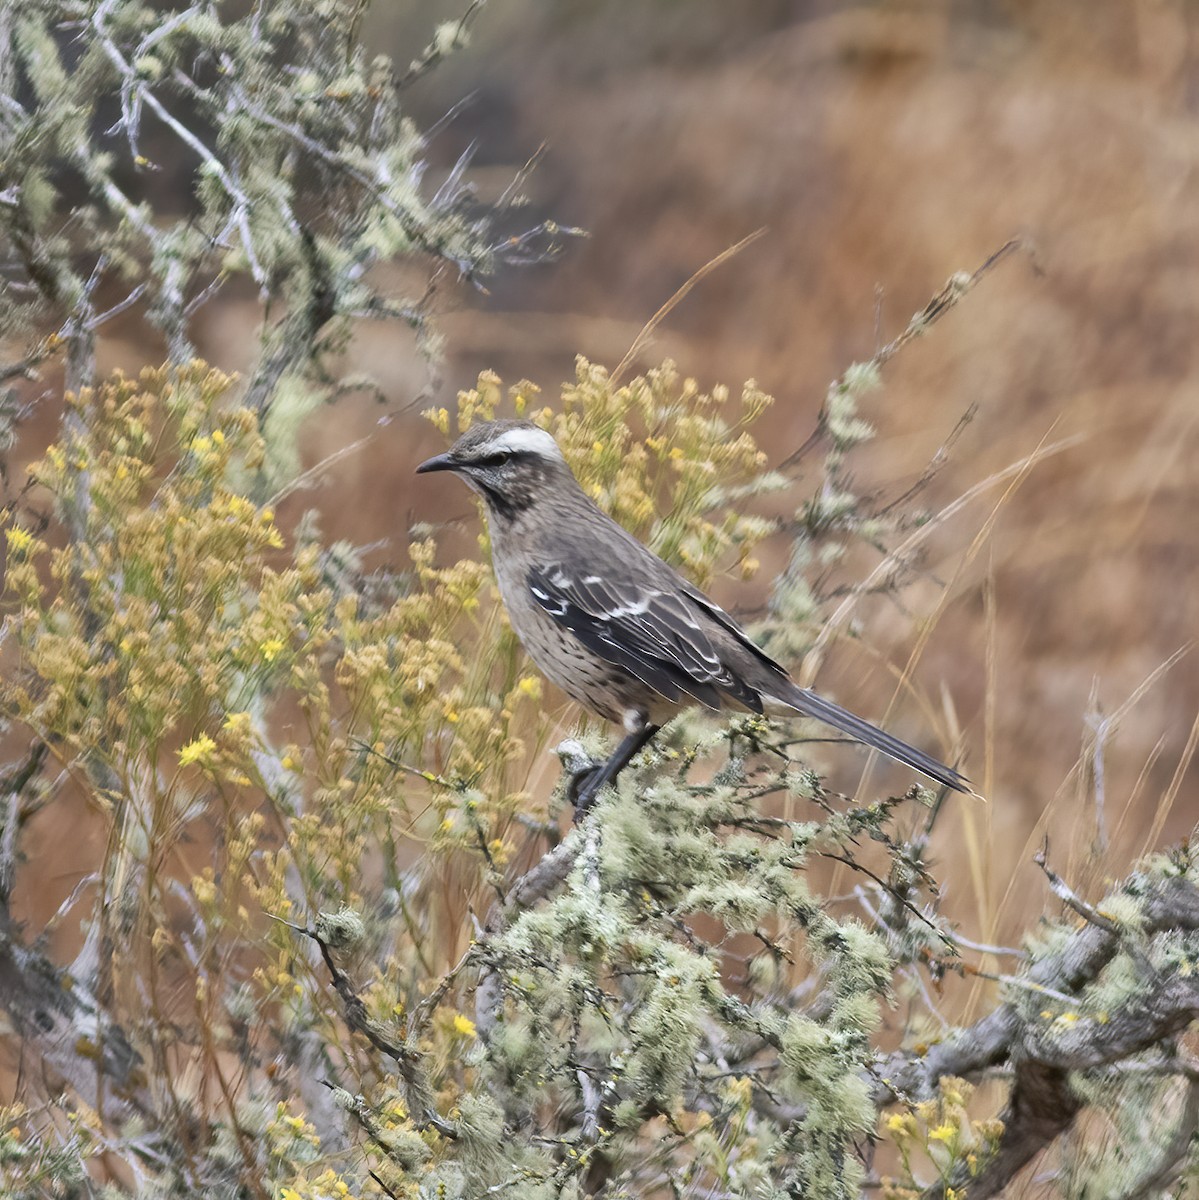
610, 623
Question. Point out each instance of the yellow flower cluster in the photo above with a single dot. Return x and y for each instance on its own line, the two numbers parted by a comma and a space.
657, 445
942, 1133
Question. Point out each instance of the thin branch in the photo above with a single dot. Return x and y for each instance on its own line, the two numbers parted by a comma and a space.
954, 291
405, 1055
1066, 893
436, 50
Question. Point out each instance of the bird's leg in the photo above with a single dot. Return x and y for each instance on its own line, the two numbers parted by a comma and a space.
603, 775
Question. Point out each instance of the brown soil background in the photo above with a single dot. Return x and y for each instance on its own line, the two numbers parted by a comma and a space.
882, 145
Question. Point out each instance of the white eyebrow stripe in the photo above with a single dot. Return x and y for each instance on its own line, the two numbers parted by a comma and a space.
528, 441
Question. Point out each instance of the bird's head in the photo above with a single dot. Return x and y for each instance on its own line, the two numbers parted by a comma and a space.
511, 464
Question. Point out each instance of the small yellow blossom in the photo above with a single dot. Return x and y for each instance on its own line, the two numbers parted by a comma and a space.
271, 649
218, 437
465, 1026
530, 686
943, 1133
289, 1194
199, 750
19, 540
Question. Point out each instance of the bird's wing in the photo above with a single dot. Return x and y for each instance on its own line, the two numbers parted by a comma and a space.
653, 633
730, 626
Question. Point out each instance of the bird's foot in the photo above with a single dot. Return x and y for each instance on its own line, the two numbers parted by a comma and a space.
584, 790
589, 778
582, 771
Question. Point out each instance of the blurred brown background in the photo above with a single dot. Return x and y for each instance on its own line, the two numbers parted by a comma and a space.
883, 145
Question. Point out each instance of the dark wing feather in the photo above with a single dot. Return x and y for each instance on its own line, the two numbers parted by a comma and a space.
651, 633
727, 623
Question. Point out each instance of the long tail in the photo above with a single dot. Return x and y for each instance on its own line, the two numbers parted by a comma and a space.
812, 705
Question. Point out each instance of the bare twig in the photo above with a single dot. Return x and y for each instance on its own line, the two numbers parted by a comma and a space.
405, 1055
1064, 892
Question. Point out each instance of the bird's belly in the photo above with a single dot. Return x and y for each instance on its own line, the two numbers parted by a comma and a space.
587, 679
596, 684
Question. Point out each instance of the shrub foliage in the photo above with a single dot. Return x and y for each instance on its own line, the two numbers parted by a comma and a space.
336, 942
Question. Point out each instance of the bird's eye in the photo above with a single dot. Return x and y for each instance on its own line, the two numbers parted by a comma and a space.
494, 460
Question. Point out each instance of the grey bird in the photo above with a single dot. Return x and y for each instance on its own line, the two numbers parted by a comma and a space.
615, 627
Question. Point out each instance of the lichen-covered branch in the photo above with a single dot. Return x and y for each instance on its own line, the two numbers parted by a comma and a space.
1044, 1045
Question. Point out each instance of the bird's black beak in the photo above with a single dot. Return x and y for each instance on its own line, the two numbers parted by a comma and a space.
441, 462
